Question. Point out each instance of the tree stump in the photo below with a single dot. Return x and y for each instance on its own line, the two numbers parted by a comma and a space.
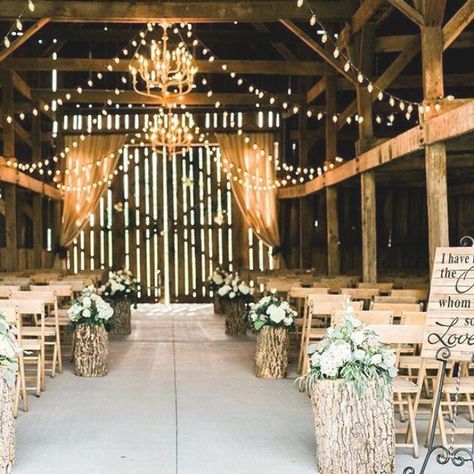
271, 353
91, 349
7, 425
123, 317
234, 323
354, 433
218, 304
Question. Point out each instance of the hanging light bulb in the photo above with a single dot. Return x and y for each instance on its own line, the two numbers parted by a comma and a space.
408, 116
31, 6
360, 77
391, 101
334, 118
312, 21
19, 25
336, 53
6, 42
324, 38
347, 66
378, 119
370, 87
320, 116
349, 120
380, 95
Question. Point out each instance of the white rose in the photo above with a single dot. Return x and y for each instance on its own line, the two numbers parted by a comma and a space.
86, 313
244, 289
223, 290
288, 321
357, 337
86, 302
359, 354
376, 359
232, 294
277, 314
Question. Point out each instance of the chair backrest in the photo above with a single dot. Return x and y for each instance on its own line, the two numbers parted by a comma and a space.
25, 306
16, 282
399, 334
367, 317
419, 294
282, 284
76, 285
315, 297
47, 297
44, 278
414, 318
328, 307
385, 287
395, 299
397, 308
300, 292
361, 293
5, 290
11, 314
61, 290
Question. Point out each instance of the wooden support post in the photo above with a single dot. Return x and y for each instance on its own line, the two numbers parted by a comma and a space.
37, 198
11, 263
369, 228
435, 155
334, 257
304, 204
118, 226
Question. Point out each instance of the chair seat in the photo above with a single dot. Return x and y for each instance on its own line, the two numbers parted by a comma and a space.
36, 331
31, 345
466, 385
402, 385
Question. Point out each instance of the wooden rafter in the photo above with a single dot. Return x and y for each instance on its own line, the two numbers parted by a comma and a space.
410, 12
447, 126
196, 11
458, 23
303, 68
24, 38
130, 97
364, 13
316, 91
333, 62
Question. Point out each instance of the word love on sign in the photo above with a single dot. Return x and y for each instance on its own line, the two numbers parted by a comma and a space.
451, 304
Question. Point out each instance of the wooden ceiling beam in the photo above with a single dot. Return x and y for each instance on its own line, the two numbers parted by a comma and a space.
13, 176
410, 12
23, 38
296, 68
364, 13
96, 96
447, 126
459, 21
319, 88
194, 11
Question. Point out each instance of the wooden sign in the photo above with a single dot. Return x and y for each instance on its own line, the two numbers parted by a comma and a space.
451, 304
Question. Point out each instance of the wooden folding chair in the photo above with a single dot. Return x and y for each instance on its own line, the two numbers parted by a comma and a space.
33, 345
13, 319
361, 294
395, 299
52, 330
421, 295
397, 308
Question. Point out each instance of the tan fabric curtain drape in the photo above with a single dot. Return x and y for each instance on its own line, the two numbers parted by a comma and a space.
253, 164
81, 172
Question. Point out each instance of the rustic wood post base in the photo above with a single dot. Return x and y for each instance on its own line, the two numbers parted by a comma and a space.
271, 353
91, 349
354, 433
234, 323
123, 317
7, 425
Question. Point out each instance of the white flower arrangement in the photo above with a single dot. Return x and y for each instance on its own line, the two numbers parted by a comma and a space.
91, 309
218, 278
234, 289
353, 353
121, 285
271, 310
9, 351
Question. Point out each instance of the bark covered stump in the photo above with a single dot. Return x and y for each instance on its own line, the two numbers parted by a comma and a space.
7, 425
271, 353
234, 322
218, 304
91, 349
123, 317
354, 433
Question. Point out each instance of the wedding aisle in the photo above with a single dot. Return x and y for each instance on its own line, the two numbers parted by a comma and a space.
180, 397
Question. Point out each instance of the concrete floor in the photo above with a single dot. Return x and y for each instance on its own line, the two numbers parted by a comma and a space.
180, 398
